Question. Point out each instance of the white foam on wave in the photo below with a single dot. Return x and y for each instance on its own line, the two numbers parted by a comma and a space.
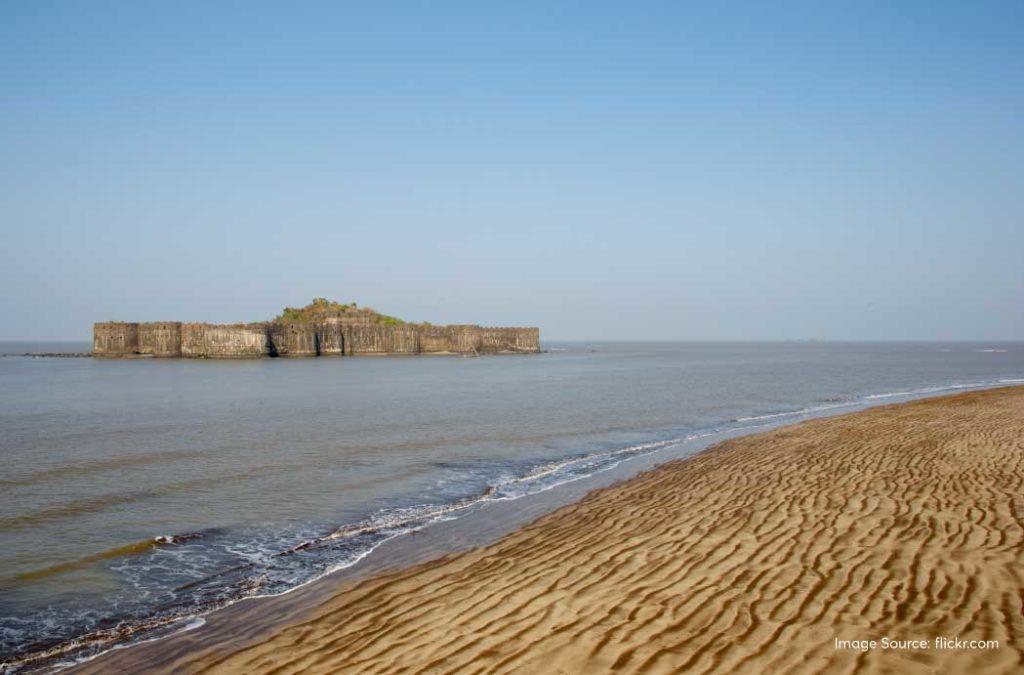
794, 413
192, 623
553, 467
415, 517
929, 390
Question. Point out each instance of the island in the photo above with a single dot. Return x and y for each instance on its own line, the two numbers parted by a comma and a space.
321, 328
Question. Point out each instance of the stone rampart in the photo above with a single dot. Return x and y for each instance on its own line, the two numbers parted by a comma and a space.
215, 341
469, 339
464, 339
160, 338
256, 340
293, 339
393, 339
434, 339
330, 338
495, 340
115, 338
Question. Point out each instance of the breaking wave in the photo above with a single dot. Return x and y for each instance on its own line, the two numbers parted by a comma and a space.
929, 390
217, 570
797, 413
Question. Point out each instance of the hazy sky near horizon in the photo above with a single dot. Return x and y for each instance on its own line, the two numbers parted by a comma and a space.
602, 170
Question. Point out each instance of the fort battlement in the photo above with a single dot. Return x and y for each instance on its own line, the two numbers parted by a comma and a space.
353, 335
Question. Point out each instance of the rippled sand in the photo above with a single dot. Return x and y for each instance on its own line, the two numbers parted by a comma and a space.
901, 522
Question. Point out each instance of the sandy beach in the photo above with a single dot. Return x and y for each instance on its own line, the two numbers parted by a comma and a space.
903, 523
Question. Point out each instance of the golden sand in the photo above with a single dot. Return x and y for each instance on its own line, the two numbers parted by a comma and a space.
904, 522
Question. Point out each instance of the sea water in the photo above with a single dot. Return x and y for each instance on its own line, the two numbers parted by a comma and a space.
137, 495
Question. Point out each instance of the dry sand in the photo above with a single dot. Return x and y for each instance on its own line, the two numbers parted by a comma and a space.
902, 522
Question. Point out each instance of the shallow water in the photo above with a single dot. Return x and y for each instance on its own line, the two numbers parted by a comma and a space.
270, 473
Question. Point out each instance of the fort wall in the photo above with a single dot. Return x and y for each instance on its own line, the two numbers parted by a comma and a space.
352, 338
161, 338
498, 340
215, 341
329, 337
115, 338
434, 339
293, 339
377, 339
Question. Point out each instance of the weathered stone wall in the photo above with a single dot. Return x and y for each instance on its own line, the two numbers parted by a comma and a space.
476, 339
526, 339
239, 341
115, 338
493, 340
496, 340
330, 339
433, 339
405, 340
213, 341
293, 339
160, 338
397, 339
464, 339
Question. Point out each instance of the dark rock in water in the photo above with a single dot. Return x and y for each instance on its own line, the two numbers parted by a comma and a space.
176, 538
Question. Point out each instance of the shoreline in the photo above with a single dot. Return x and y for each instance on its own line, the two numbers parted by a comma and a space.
256, 619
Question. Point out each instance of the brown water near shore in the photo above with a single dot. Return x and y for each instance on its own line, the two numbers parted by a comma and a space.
904, 522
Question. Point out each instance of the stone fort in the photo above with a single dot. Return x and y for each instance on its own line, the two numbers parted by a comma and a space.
320, 329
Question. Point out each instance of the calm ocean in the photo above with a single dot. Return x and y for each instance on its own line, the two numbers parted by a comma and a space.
264, 475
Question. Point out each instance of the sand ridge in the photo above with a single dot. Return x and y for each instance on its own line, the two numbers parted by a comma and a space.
905, 522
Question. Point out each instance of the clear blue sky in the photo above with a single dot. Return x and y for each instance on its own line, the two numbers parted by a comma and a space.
648, 170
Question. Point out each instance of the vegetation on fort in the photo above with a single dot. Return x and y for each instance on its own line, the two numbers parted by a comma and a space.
322, 308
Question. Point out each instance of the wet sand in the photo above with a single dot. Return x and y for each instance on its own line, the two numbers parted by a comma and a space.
904, 522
